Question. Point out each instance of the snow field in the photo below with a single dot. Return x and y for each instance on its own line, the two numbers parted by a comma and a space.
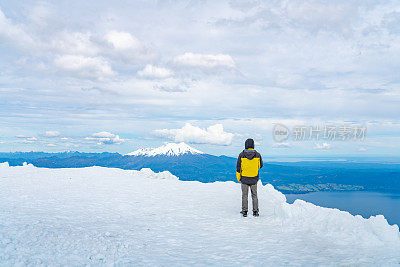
111, 216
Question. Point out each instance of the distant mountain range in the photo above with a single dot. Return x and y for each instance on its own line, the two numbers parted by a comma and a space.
180, 159
190, 164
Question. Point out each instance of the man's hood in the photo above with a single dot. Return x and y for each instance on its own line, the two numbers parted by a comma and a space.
249, 143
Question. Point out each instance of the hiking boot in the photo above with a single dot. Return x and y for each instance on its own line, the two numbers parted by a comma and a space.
255, 214
244, 213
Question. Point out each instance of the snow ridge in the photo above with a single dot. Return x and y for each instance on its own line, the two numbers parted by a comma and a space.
169, 149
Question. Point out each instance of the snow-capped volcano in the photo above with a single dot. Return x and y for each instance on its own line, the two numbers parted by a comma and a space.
169, 149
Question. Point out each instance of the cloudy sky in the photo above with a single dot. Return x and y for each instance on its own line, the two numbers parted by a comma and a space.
121, 75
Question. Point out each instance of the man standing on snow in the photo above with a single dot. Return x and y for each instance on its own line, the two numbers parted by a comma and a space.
248, 164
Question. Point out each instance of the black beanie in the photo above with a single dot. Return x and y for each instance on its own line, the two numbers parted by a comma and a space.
249, 143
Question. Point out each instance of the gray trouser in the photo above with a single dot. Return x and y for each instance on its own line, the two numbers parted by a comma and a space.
245, 196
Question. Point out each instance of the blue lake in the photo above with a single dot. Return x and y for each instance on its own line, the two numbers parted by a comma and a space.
365, 204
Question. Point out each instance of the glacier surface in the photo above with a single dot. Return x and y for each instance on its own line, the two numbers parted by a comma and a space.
111, 216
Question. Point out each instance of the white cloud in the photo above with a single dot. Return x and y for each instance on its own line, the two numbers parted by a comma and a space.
204, 60
13, 33
123, 48
281, 145
28, 140
52, 133
51, 145
83, 54
323, 146
192, 134
71, 145
151, 71
93, 67
103, 135
123, 41
74, 43
105, 138
362, 149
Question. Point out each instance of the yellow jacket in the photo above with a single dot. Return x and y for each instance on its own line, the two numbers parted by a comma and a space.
247, 166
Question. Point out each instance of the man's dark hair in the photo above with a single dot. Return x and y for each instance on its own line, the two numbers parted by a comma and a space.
249, 143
